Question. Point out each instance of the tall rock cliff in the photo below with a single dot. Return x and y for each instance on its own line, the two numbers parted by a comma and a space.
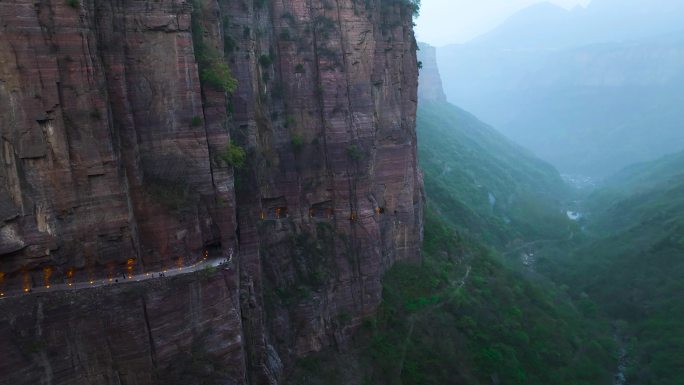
430, 84
121, 154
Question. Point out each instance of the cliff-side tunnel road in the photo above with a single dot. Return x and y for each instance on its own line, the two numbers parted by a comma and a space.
204, 263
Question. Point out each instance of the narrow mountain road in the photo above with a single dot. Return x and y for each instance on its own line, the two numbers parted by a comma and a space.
205, 263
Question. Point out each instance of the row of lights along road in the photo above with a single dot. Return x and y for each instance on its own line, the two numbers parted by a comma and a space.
130, 267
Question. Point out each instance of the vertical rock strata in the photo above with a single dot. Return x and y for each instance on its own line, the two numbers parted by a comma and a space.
430, 85
183, 330
103, 158
114, 150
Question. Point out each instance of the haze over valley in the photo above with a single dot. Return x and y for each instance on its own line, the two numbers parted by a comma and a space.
589, 90
596, 92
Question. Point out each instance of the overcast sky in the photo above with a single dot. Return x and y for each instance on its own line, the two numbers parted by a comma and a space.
444, 22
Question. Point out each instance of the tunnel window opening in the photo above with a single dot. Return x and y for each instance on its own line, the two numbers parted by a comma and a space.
212, 250
274, 208
281, 212
322, 210
379, 210
275, 213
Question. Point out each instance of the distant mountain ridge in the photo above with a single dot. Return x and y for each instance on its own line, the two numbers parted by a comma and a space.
549, 26
589, 90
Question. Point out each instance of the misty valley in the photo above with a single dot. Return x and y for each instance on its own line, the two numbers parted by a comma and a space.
342, 192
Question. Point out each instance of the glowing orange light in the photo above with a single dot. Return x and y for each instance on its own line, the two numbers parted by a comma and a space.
110, 271
2, 294
26, 281
47, 287
130, 264
47, 273
91, 274
70, 284
92, 282
70, 276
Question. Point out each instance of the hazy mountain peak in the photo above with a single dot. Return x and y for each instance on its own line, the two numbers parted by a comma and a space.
528, 28
543, 9
548, 26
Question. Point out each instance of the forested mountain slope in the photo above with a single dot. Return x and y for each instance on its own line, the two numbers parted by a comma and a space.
631, 266
484, 183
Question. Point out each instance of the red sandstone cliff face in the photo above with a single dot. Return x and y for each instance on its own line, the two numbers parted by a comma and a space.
101, 159
112, 150
183, 330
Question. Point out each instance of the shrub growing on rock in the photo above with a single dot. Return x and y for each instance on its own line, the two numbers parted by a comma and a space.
235, 156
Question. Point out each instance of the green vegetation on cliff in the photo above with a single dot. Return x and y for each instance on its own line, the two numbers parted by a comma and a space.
213, 68
235, 156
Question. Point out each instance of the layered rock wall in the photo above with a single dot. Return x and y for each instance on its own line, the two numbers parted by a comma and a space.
115, 153
183, 330
106, 154
430, 85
